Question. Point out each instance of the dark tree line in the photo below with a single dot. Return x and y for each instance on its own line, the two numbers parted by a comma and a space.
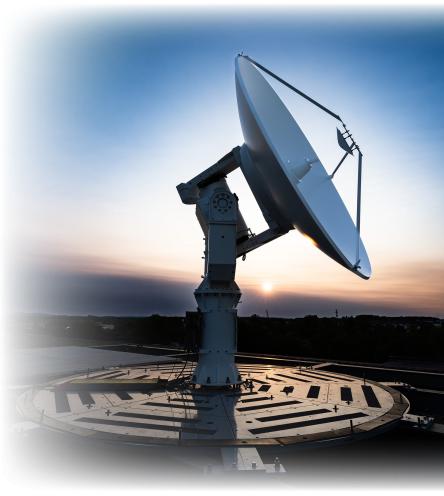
360, 338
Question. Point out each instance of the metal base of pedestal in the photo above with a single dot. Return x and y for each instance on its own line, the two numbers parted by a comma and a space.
216, 371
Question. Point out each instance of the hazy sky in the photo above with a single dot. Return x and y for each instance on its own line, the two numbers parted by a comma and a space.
113, 111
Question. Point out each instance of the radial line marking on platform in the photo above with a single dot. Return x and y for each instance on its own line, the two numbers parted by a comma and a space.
267, 405
259, 381
149, 416
186, 400
237, 395
305, 423
143, 425
170, 405
101, 375
123, 395
313, 376
333, 376
258, 398
293, 378
283, 416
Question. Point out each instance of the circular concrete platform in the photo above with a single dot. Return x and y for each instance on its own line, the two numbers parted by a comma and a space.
276, 406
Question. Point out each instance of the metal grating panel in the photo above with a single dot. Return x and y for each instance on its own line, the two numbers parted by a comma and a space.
264, 387
61, 401
313, 392
86, 398
346, 394
370, 397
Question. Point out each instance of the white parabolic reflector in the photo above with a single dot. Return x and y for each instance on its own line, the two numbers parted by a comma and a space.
286, 176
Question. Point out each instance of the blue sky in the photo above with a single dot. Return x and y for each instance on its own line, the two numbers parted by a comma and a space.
114, 110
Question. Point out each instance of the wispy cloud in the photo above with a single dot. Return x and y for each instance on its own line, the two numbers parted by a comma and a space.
70, 286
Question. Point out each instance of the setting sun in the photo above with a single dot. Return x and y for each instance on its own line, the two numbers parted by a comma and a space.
267, 287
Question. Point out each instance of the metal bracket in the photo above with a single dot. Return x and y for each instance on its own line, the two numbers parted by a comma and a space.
189, 192
258, 240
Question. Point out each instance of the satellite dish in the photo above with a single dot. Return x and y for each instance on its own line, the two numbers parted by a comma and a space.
286, 176
293, 190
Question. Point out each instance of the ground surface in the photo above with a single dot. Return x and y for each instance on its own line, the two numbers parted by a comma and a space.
400, 458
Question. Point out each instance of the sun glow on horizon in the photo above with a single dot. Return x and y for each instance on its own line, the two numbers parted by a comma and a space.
267, 287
